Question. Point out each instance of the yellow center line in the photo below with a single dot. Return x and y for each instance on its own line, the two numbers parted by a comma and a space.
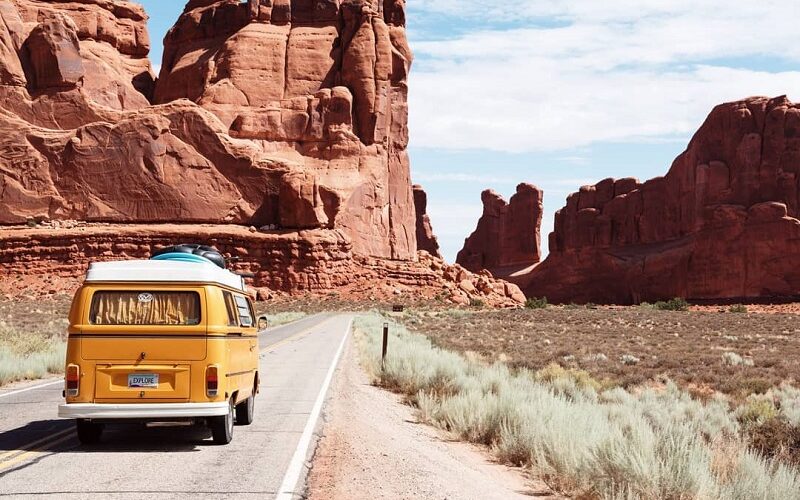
34, 453
274, 346
6, 455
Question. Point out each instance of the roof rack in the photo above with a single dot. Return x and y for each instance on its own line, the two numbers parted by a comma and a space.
163, 271
191, 252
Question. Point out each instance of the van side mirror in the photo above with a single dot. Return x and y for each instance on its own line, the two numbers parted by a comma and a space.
263, 323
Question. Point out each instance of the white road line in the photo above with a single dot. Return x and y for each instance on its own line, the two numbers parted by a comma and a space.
54, 382
286, 491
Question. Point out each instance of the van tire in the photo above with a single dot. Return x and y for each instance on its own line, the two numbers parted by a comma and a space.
88, 431
245, 411
222, 427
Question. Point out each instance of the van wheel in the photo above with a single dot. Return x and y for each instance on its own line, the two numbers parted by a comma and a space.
222, 427
88, 431
245, 411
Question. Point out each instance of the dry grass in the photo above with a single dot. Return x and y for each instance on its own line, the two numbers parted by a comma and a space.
735, 353
32, 338
282, 318
586, 441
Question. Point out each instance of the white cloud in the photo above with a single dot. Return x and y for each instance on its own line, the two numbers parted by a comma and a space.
606, 11
619, 70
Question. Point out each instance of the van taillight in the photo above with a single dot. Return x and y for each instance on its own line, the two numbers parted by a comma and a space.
73, 380
212, 381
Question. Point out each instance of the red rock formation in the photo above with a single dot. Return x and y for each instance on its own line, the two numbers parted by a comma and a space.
112, 43
76, 152
508, 234
296, 119
321, 87
298, 261
314, 261
723, 222
426, 240
54, 53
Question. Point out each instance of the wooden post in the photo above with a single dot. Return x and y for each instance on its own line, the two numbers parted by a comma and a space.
385, 345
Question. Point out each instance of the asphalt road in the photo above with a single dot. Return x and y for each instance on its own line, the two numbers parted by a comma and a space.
40, 454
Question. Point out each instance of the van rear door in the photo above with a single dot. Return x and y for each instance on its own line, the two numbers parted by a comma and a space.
142, 341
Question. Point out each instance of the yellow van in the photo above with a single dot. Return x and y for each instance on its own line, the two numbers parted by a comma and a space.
166, 340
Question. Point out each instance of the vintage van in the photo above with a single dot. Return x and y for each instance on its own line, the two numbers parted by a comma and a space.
166, 340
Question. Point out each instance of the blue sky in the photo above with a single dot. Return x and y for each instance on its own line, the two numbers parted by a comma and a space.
562, 93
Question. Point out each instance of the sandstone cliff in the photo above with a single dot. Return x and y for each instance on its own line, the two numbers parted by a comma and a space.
507, 238
722, 223
321, 87
299, 119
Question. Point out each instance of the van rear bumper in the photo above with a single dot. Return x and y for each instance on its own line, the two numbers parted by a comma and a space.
142, 411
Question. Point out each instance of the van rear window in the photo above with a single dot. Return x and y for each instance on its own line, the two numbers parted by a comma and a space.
145, 308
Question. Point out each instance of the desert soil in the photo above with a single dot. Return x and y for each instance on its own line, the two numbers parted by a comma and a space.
686, 347
373, 447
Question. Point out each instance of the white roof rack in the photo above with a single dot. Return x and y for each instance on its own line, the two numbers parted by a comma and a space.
154, 271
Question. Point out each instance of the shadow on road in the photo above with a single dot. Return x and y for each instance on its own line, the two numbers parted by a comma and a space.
37, 436
29, 437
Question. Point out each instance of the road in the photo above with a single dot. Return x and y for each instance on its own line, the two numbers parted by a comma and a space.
40, 454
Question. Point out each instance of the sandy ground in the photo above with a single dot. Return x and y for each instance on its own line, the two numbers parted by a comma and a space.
373, 448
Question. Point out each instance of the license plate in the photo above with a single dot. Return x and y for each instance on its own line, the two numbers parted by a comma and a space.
143, 380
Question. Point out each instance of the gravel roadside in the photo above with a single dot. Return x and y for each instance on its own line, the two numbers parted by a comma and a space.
373, 447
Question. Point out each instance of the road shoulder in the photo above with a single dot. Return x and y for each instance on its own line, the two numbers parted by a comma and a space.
372, 447
29, 384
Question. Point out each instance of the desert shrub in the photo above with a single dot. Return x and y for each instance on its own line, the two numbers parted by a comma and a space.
738, 308
756, 411
561, 379
776, 438
783, 402
536, 303
676, 304
655, 443
476, 303
628, 359
745, 386
787, 398
733, 359
596, 358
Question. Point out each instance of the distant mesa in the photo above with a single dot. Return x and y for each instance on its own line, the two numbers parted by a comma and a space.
506, 241
722, 224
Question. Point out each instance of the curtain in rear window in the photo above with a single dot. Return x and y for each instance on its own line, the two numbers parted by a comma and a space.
145, 308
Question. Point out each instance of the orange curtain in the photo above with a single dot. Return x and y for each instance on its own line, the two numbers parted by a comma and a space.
145, 308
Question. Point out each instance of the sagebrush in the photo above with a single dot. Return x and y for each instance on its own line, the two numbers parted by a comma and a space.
29, 354
585, 441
